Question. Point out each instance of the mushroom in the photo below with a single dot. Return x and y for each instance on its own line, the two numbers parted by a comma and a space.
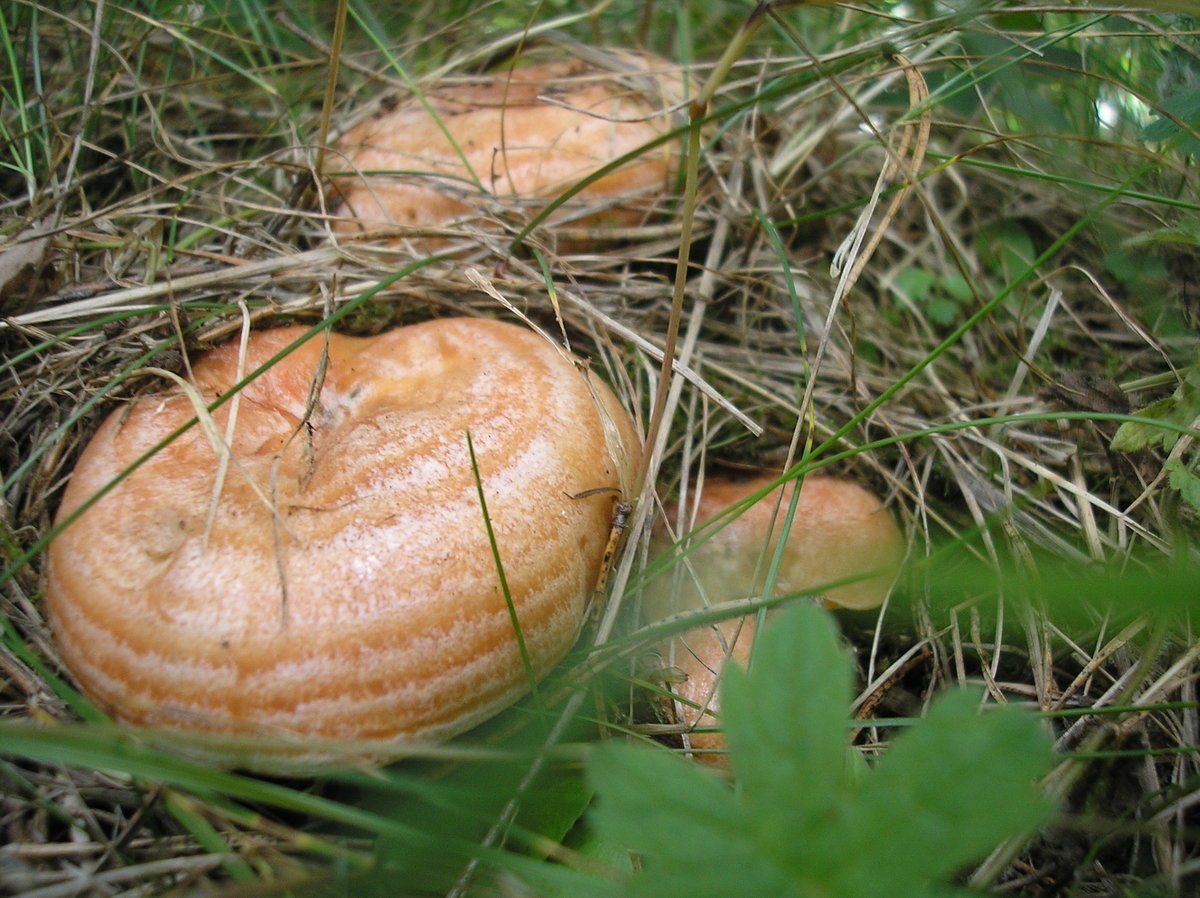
840, 532
523, 135
337, 589
700, 656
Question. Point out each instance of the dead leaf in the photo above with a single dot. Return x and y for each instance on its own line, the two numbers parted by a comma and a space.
1088, 392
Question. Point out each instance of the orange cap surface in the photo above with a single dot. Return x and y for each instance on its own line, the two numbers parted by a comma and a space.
700, 657
840, 531
346, 589
527, 134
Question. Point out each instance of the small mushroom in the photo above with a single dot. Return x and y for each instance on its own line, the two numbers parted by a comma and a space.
337, 590
515, 139
700, 656
840, 531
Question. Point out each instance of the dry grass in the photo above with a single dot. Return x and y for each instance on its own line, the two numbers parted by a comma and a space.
1016, 281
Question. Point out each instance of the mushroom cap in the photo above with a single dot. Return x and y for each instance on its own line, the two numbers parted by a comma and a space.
700, 657
525, 134
840, 530
346, 590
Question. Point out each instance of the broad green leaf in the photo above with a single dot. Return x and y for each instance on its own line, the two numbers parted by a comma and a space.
549, 880
786, 723
945, 794
1136, 268
692, 837
956, 287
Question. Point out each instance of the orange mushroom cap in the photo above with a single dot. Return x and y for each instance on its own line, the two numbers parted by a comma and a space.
526, 134
700, 657
840, 531
345, 588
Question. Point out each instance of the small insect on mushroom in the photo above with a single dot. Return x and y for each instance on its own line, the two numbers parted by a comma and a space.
396, 629
620, 520
621, 512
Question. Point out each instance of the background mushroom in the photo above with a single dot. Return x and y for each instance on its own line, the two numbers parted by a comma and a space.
524, 134
840, 531
339, 585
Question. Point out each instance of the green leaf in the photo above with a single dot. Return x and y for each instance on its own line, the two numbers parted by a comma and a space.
786, 723
942, 311
1184, 232
1006, 248
1133, 266
692, 836
949, 791
1183, 106
1179, 409
915, 283
956, 287
803, 821
1136, 436
1185, 481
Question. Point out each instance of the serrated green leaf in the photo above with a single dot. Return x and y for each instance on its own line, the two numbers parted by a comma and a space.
1159, 130
1185, 481
946, 793
691, 835
786, 723
803, 821
633, 784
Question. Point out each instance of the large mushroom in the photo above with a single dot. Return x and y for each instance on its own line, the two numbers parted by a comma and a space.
335, 589
842, 541
515, 139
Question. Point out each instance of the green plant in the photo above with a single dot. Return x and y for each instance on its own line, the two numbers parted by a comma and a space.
1178, 115
806, 817
1181, 408
941, 298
